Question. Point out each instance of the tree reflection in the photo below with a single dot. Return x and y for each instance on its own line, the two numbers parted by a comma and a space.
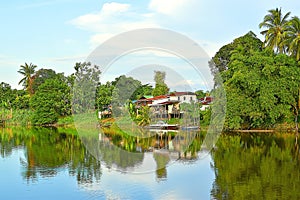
47, 150
125, 151
256, 167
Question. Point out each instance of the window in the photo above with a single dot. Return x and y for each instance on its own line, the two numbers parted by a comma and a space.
178, 98
191, 98
184, 98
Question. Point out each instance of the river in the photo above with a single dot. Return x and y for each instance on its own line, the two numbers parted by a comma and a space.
50, 163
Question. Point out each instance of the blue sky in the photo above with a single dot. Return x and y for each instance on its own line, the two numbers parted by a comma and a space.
57, 33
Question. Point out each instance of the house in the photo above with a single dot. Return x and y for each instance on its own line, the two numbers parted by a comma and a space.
185, 97
167, 106
164, 106
107, 112
143, 101
206, 101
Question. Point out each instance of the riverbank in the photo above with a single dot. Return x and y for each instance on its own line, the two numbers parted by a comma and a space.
23, 118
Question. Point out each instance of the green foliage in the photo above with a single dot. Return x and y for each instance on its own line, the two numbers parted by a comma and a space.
293, 38
6, 96
201, 94
220, 61
84, 87
173, 121
277, 26
50, 101
142, 91
282, 34
161, 87
44, 74
256, 167
261, 88
132, 110
143, 117
191, 114
21, 100
67, 120
28, 77
21, 117
124, 89
50, 149
205, 117
104, 95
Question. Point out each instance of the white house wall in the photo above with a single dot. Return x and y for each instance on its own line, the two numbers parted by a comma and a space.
187, 98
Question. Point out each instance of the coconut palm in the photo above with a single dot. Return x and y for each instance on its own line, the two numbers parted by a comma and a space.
28, 72
293, 40
276, 25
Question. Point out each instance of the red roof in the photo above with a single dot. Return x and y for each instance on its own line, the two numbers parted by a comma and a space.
206, 100
159, 97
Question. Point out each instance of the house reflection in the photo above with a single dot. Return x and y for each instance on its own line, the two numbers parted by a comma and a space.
166, 147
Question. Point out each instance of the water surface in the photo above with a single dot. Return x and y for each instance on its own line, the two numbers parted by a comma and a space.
40, 163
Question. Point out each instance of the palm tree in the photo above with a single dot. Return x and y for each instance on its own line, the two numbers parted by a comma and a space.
276, 25
28, 72
293, 40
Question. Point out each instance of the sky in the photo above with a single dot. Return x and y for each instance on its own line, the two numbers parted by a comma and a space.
58, 33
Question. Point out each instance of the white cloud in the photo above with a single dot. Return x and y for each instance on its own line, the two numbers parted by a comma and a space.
168, 7
109, 13
112, 19
180, 15
113, 7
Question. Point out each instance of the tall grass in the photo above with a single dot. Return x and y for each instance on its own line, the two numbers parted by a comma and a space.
20, 118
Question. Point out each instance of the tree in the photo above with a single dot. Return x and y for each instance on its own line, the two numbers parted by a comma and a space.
6, 93
6, 98
84, 87
161, 87
21, 100
276, 25
28, 72
201, 94
261, 89
104, 95
143, 90
42, 75
50, 101
125, 88
249, 42
293, 38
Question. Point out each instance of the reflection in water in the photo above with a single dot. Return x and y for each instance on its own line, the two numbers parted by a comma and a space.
126, 152
244, 167
46, 157
47, 150
256, 167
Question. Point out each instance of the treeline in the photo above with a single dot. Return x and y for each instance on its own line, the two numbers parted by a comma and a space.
47, 95
262, 78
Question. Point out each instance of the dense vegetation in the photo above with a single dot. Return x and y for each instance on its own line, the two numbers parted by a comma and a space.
262, 79
47, 96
